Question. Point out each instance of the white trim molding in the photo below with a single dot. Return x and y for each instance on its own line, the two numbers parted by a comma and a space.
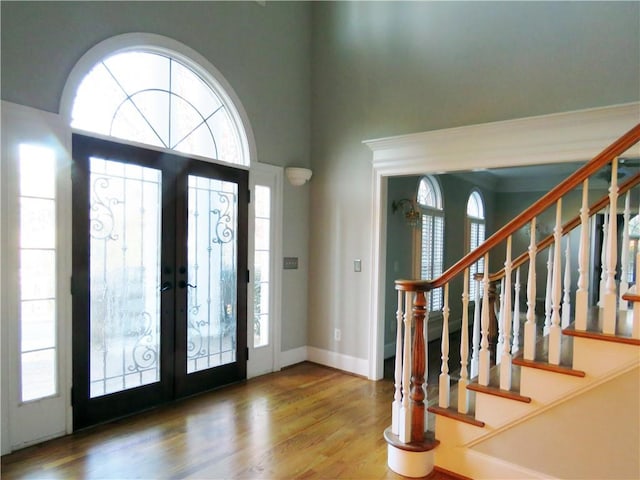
339, 361
556, 138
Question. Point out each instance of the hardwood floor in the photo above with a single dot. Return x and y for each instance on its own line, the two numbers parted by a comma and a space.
305, 422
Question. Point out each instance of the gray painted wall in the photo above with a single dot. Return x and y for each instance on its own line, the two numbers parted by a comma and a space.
262, 51
318, 79
388, 68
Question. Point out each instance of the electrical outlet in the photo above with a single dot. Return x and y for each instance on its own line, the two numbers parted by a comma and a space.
337, 335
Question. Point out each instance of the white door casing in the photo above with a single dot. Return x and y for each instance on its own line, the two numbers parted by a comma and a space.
266, 359
26, 423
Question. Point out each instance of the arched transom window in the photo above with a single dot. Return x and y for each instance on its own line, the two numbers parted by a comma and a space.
152, 98
475, 235
429, 199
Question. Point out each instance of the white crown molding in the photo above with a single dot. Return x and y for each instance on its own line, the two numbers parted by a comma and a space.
561, 137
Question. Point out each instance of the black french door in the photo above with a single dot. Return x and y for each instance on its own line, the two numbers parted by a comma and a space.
159, 278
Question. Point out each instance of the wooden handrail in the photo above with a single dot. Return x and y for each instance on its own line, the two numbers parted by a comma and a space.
570, 225
618, 147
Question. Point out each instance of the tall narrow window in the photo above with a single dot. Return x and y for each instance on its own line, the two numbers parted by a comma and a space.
432, 243
38, 338
261, 268
475, 236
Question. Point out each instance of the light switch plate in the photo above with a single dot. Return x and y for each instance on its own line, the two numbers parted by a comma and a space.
290, 263
357, 265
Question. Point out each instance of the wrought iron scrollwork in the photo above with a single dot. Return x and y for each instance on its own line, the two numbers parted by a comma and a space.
144, 353
222, 232
101, 217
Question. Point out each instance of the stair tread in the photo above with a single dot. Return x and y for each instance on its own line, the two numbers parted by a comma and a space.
542, 365
624, 328
498, 392
454, 414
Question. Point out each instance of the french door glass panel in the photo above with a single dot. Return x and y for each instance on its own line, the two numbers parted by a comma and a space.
125, 245
212, 273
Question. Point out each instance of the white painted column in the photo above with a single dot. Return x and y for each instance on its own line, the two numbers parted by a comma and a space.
463, 393
475, 339
582, 294
555, 332
505, 364
515, 344
397, 398
609, 313
624, 254
566, 298
444, 379
485, 354
530, 333
548, 293
405, 410
501, 316
603, 259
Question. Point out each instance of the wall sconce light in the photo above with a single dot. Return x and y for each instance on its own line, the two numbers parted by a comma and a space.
298, 176
411, 213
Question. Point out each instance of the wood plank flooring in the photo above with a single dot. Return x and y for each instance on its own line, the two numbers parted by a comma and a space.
306, 422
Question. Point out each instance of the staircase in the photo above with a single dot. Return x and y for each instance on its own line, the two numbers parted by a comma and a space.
562, 400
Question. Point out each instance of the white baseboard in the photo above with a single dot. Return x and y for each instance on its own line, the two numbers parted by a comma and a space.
358, 366
347, 363
293, 356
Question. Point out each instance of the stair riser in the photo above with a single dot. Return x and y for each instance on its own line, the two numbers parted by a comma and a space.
545, 387
473, 464
497, 411
457, 433
598, 358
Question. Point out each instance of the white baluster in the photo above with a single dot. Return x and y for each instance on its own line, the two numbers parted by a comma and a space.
566, 298
624, 253
610, 297
530, 326
397, 398
485, 354
505, 364
463, 393
405, 410
603, 259
444, 380
635, 331
555, 332
582, 293
500, 342
475, 339
547, 298
515, 345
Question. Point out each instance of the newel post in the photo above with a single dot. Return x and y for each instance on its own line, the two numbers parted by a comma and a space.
418, 362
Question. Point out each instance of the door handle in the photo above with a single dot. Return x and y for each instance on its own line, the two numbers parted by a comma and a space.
166, 286
183, 284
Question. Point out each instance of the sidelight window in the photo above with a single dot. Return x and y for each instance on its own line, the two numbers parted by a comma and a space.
38, 257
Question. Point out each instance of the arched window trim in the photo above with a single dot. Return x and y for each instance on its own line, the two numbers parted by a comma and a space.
478, 201
159, 44
431, 183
